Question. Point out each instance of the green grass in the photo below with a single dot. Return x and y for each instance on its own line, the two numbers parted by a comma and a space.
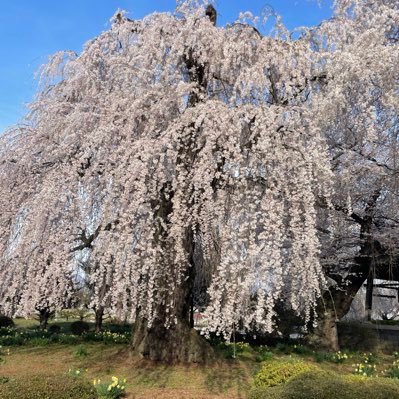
45, 356
328, 385
26, 323
40, 387
224, 379
32, 335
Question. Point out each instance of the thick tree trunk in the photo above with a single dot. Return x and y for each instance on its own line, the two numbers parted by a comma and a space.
336, 303
99, 315
325, 335
180, 342
44, 315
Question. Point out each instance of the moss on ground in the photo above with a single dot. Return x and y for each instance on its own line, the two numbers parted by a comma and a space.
321, 384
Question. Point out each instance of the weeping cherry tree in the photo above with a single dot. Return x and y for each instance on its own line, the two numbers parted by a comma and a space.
168, 154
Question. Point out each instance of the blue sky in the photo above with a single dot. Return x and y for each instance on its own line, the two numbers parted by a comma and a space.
30, 30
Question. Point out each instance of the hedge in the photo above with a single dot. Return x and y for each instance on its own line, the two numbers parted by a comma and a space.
39, 387
275, 373
327, 385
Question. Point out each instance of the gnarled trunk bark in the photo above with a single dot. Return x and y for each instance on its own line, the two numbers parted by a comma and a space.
325, 335
99, 316
335, 305
180, 342
372, 262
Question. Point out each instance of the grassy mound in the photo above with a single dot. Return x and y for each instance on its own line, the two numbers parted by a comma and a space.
60, 387
275, 373
325, 385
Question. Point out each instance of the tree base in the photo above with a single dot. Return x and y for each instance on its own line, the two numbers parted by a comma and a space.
178, 344
325, 335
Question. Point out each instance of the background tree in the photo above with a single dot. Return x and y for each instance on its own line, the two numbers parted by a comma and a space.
358, 111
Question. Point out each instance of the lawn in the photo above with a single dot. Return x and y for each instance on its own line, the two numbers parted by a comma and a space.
225, 378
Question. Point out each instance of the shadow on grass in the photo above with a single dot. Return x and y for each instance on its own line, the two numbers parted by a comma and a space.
228, 375
155, 376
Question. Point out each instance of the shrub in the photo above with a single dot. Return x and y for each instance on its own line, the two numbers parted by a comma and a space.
12, 340
67, 339
241, 346
109, 337
111, 390
324, 385
276, 373
229, 350
264, 356
322, 357
120, 328
39, 341
301, 350
263, 353
365, 369
393, 371
6, 321
284, 348
81, 351
79, 327
339, 357
54, 329
370, 358
40, 387
4, 331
